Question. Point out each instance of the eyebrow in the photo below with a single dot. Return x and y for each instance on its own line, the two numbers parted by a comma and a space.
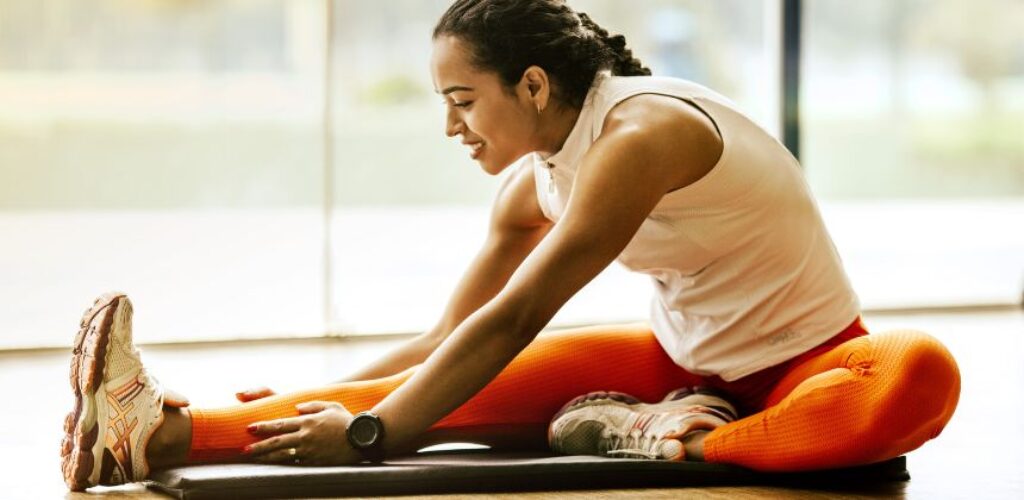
455, 88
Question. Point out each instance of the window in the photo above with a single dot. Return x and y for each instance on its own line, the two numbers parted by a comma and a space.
168, 149
913, 126
203, 155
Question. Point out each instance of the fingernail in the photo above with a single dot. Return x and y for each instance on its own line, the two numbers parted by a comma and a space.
246, 450
251, 429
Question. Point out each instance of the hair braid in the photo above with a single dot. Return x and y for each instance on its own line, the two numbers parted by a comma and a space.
625, 64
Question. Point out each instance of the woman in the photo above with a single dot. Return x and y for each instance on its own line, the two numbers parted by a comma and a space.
664, 175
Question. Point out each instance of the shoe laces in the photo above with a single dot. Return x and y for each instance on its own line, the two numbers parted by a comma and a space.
152, 387
633, 443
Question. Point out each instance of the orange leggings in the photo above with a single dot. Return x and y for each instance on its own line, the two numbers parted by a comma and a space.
855, 399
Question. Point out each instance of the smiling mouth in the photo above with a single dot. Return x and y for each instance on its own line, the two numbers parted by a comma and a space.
475, 149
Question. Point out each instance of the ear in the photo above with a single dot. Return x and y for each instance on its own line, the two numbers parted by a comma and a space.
536, 87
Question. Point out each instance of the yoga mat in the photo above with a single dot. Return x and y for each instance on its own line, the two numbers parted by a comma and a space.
487, 471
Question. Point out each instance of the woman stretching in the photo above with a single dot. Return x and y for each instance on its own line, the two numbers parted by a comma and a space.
751, 303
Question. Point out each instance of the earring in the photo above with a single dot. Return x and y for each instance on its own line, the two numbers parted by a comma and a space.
538, 110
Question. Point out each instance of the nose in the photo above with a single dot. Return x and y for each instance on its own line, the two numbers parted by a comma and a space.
453, 125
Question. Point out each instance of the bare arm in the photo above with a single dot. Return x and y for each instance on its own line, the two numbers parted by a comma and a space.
517, 225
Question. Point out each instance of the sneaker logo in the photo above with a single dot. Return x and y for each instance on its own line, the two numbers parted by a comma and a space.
121, 423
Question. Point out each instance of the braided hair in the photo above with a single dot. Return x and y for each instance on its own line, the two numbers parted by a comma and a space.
508, 36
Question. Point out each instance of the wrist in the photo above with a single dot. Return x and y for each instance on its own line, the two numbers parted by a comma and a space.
365, 433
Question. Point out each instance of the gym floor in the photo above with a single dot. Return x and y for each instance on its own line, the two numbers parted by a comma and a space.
979, 455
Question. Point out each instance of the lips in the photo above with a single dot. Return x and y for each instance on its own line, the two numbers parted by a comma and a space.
475, 148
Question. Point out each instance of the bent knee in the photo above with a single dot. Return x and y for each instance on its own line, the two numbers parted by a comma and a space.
918, 391
918, 356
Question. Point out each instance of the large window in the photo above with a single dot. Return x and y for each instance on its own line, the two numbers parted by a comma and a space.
265, 168
913, 127
168, 149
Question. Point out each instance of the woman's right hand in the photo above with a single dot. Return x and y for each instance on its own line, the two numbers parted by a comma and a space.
254, 394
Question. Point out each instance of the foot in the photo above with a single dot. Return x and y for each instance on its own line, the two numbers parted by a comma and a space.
118, 405
619, 425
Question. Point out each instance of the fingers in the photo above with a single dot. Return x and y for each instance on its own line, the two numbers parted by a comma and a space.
317, 438
282, 456
279, 426
174, 399
317, 406
277, 449
254, 394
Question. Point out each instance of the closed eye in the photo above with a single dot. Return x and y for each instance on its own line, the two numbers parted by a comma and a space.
457, 104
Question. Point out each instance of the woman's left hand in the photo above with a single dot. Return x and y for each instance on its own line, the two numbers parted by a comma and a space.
317, 437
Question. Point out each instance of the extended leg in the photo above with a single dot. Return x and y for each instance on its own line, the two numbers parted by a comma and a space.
556, 367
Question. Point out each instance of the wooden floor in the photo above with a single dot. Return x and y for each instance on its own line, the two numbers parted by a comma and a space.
979, 455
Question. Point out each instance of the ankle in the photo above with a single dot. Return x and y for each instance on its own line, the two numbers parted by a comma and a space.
171, 442
693, 445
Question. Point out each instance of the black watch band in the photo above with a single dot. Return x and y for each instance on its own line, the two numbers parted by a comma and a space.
366, 435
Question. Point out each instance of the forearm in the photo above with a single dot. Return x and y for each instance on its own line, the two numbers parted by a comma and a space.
411, 353
475, 353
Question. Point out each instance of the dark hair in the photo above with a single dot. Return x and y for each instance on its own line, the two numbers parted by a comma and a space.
508, 36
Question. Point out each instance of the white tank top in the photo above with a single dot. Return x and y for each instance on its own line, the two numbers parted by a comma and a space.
744, 272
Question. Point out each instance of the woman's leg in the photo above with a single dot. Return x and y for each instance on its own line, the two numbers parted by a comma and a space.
556, 367
870, 399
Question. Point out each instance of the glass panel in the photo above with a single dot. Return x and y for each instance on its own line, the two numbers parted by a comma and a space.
411, 208
168, 149
727, 45
913, 115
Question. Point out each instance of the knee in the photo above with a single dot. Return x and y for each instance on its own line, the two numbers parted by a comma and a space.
921, 361
917, 384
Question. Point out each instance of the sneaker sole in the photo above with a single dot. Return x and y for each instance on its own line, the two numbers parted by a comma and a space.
83, 438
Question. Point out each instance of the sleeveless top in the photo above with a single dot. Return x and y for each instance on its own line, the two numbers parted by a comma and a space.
745, 274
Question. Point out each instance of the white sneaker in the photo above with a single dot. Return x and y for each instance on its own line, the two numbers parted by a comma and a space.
118, 405
619, 425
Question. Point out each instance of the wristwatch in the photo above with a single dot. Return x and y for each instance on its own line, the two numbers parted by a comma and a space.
366, 434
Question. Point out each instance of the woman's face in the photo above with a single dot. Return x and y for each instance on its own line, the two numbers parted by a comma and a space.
496, 126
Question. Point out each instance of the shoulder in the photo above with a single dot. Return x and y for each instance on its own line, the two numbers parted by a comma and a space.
665, 130
516, 207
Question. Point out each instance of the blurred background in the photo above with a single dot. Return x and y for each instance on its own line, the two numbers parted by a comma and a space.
278, 168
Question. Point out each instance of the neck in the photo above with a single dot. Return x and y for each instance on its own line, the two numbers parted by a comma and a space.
556, 123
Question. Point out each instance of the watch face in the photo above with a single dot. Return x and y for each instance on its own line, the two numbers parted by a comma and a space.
365, 431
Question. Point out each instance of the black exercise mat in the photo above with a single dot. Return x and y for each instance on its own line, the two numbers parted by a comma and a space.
486, 471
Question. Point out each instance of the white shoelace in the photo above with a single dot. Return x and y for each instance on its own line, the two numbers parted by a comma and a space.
151, 385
